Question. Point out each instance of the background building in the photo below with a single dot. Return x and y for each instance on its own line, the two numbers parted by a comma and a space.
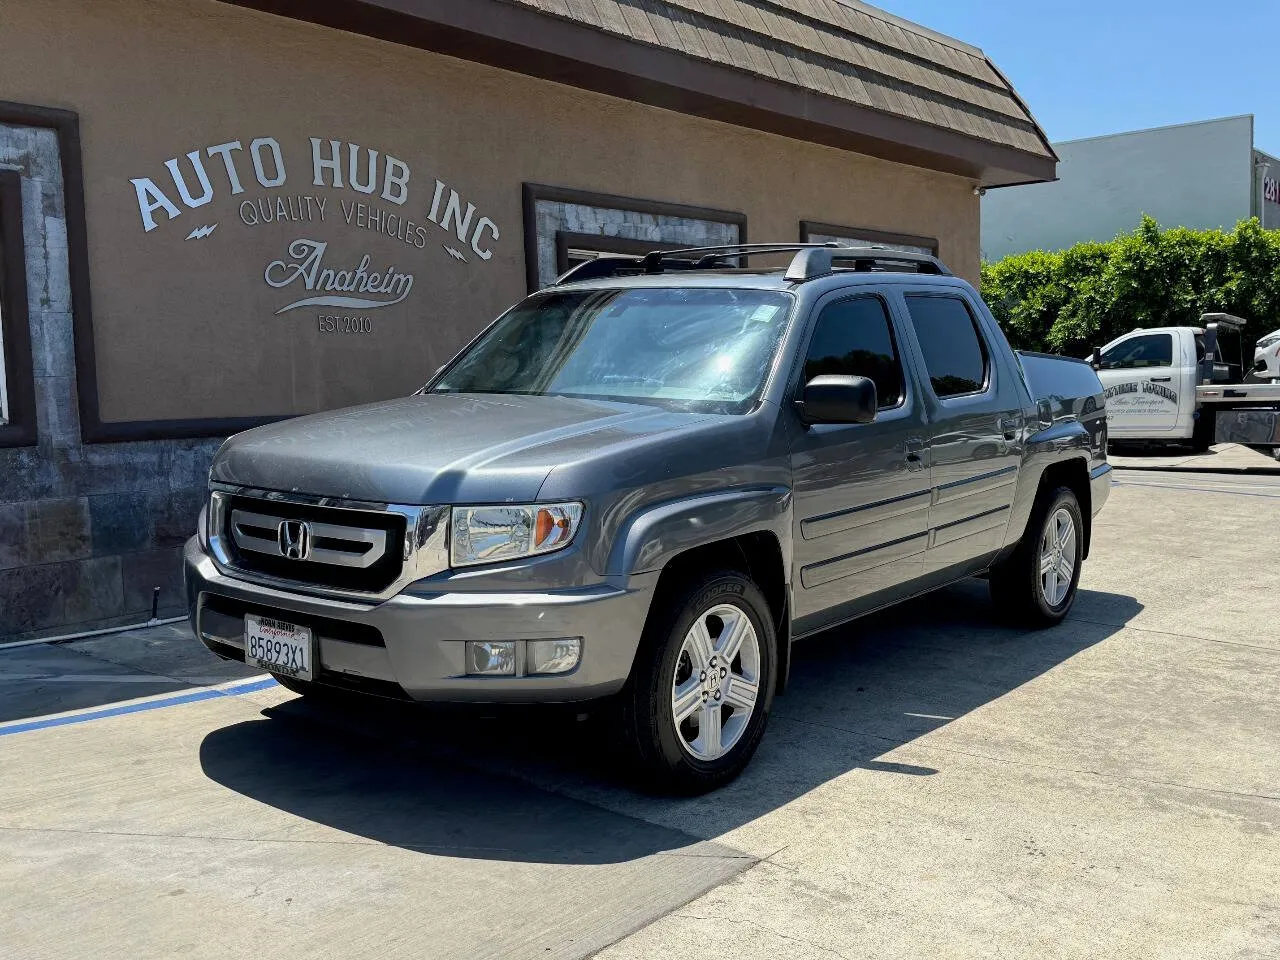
1204, 175
214, 215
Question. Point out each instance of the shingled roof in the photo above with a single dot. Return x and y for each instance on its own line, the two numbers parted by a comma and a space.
838, 72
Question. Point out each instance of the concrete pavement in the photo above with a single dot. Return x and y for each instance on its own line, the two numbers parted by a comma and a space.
933, 785
237, 821
1124, 802
1220, 458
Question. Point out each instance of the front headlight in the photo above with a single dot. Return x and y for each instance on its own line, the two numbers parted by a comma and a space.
1268, 341
497, 533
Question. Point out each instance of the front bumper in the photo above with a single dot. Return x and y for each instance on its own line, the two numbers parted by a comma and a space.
413, 645
1266, 363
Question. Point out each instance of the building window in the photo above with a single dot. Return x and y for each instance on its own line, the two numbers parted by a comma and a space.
17, 389
564, 227
574, 249
814, 232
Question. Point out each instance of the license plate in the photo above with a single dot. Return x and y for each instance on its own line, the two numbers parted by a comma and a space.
279, 647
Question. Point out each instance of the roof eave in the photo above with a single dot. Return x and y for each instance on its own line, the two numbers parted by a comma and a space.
518, 39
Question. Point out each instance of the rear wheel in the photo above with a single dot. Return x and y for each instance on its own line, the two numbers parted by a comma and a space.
698, 700
1037, 584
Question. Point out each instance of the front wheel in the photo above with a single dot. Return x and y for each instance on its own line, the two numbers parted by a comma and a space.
1037, 584
699, 697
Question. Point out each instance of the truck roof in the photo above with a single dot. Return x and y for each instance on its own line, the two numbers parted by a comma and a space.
1159, 330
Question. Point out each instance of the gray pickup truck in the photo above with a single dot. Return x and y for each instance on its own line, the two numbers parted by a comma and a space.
644, 483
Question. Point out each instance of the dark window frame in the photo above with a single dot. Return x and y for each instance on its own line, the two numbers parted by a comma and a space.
988, 366
21, 430
810, 228
533, 192
803, 359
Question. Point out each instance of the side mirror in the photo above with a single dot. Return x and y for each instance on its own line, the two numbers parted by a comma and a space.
838, 399
1096, 360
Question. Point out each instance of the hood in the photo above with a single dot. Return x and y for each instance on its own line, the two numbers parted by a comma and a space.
434, 448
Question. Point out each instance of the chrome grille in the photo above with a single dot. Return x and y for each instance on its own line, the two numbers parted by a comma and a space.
326, 542
325, 545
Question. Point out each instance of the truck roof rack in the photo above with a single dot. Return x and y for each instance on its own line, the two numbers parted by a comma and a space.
819, 262
811, 260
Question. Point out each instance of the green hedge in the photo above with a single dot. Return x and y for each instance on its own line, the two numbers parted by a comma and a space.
1070, 301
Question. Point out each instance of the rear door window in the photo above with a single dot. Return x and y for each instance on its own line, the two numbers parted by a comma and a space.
955, 355
854, 338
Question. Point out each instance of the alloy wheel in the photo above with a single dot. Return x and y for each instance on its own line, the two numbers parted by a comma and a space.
1058, 556
717, 682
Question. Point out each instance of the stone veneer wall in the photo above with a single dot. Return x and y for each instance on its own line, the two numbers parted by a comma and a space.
86, 531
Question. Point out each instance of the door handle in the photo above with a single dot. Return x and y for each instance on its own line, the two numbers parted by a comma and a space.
915, 453
1161, 379
1009, 427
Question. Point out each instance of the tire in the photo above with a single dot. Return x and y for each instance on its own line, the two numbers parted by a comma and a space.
1018, 587
673, 757
1204, 432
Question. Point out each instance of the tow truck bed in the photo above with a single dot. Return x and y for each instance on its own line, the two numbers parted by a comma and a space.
1229, 395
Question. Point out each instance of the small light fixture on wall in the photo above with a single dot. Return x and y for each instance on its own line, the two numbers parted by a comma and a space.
979, 191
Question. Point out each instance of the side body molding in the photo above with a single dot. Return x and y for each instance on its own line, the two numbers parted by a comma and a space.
655, 534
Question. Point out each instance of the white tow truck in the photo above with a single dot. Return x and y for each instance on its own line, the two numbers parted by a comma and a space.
1174, 385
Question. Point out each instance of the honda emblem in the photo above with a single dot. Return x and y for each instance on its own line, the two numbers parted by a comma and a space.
294, 539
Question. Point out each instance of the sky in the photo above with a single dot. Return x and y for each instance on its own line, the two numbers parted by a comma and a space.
1089, 67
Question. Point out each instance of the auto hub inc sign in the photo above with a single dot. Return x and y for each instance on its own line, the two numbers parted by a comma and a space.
329, 204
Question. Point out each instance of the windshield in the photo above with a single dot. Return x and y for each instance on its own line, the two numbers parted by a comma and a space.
700, 349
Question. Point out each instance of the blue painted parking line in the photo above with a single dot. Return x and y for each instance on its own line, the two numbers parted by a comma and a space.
175, 700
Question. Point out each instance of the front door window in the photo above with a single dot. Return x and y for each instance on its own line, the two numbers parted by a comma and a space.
1136, 353
854, 338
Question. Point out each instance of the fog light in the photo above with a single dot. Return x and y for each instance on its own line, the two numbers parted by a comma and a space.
491, 658
554, 656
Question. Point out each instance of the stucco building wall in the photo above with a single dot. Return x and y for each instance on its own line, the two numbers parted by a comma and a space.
210, 307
